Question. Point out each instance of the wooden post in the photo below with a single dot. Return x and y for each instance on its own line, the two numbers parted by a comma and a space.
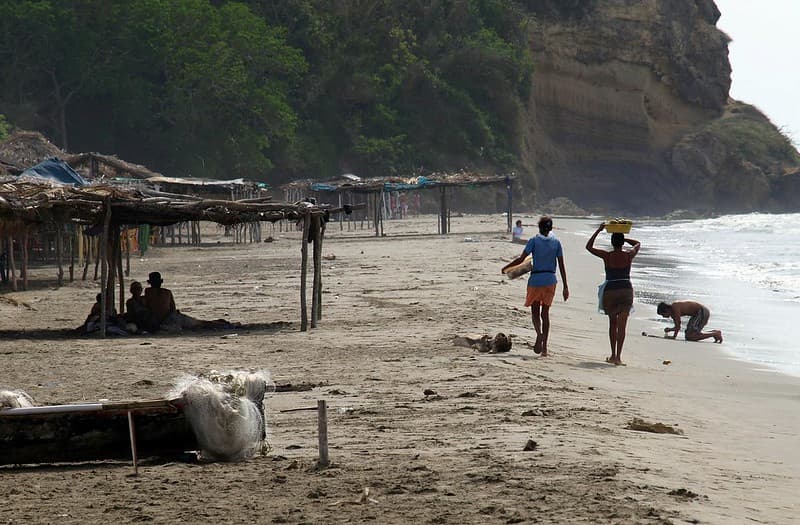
118, 261
11, 266
304, 271
25, 257
59, 254
316, 227
509, 211
72, 243
98, 255
319, 284
87, 254
443, 213
104, 270
127, 255
134, 454
322, 429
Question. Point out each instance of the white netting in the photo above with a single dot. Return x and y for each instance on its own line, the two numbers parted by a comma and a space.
226, 412
15, 399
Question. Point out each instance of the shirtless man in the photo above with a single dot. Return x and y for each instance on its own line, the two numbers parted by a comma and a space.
698, 317
158, 300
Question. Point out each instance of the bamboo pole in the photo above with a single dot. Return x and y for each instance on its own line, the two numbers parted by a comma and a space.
304, 272
98, 255
87, 254
11, 266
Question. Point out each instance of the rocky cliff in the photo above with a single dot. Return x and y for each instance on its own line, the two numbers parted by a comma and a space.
630, 112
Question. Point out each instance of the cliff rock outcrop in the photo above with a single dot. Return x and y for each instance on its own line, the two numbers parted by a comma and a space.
630, 112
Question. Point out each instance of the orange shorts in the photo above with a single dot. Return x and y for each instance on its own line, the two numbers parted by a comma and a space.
540, 294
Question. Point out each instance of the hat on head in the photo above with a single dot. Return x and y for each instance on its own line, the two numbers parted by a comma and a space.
155, 278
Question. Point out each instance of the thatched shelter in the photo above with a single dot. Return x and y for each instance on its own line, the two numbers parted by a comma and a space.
378, 187
106, 208
23, 149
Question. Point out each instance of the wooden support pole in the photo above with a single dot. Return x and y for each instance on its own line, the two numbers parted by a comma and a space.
11, 266
304, 272
127, 254
25, 257
98, 254
319, 284
118, 261
322, 430
134, 454
316, 220
60, 254
104, 270
87, 255
509, 211
443, 213
72, 243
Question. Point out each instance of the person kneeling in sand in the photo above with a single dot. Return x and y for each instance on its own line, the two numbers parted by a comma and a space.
698, 318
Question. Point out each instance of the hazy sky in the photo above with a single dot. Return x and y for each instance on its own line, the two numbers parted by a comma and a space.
765, 57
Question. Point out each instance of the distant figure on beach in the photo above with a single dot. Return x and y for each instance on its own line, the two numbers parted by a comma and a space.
546, 251
616, 293
698, 318
516, 232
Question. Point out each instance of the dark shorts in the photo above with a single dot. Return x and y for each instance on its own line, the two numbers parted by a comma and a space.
698, 321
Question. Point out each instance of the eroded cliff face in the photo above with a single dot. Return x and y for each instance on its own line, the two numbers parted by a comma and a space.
624, 99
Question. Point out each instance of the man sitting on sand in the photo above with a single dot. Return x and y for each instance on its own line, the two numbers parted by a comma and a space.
136, 310
158, 300
165, 316
698, 317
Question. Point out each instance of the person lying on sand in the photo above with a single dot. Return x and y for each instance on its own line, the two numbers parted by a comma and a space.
698, 318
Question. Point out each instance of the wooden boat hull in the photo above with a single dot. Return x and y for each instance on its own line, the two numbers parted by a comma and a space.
73, 435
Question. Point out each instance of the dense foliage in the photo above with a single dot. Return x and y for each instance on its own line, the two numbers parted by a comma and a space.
271, 90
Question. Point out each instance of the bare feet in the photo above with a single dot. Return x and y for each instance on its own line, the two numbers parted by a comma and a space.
537, 347
610, 360
717, 336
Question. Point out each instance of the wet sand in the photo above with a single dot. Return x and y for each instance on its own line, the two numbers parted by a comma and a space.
391, 307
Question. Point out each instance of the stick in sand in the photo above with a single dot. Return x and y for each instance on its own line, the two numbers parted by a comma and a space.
654, 335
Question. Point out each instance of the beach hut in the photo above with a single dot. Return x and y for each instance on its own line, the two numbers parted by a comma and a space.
378, 192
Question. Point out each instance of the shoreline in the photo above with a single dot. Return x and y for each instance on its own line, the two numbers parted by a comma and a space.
392, 306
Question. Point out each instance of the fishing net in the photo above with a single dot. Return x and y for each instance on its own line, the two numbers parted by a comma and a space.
226, 412
15, 399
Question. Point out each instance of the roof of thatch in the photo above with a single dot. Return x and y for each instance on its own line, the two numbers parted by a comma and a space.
24, 149
377, 184
29, 203
108, 167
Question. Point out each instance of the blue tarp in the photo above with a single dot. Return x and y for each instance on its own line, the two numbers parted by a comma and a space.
55, 170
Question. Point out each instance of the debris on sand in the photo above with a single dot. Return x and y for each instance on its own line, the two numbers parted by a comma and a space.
485, 344
530, 445
656, 428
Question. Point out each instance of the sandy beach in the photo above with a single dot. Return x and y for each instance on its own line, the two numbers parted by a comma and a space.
391, 308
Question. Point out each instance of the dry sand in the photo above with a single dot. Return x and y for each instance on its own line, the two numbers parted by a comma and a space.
391, 309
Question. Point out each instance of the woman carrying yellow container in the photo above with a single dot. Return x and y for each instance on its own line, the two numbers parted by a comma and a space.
616, 292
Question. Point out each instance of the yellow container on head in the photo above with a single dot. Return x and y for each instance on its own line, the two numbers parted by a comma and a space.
618, 226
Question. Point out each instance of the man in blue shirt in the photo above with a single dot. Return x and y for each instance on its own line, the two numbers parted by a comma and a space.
545, 249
